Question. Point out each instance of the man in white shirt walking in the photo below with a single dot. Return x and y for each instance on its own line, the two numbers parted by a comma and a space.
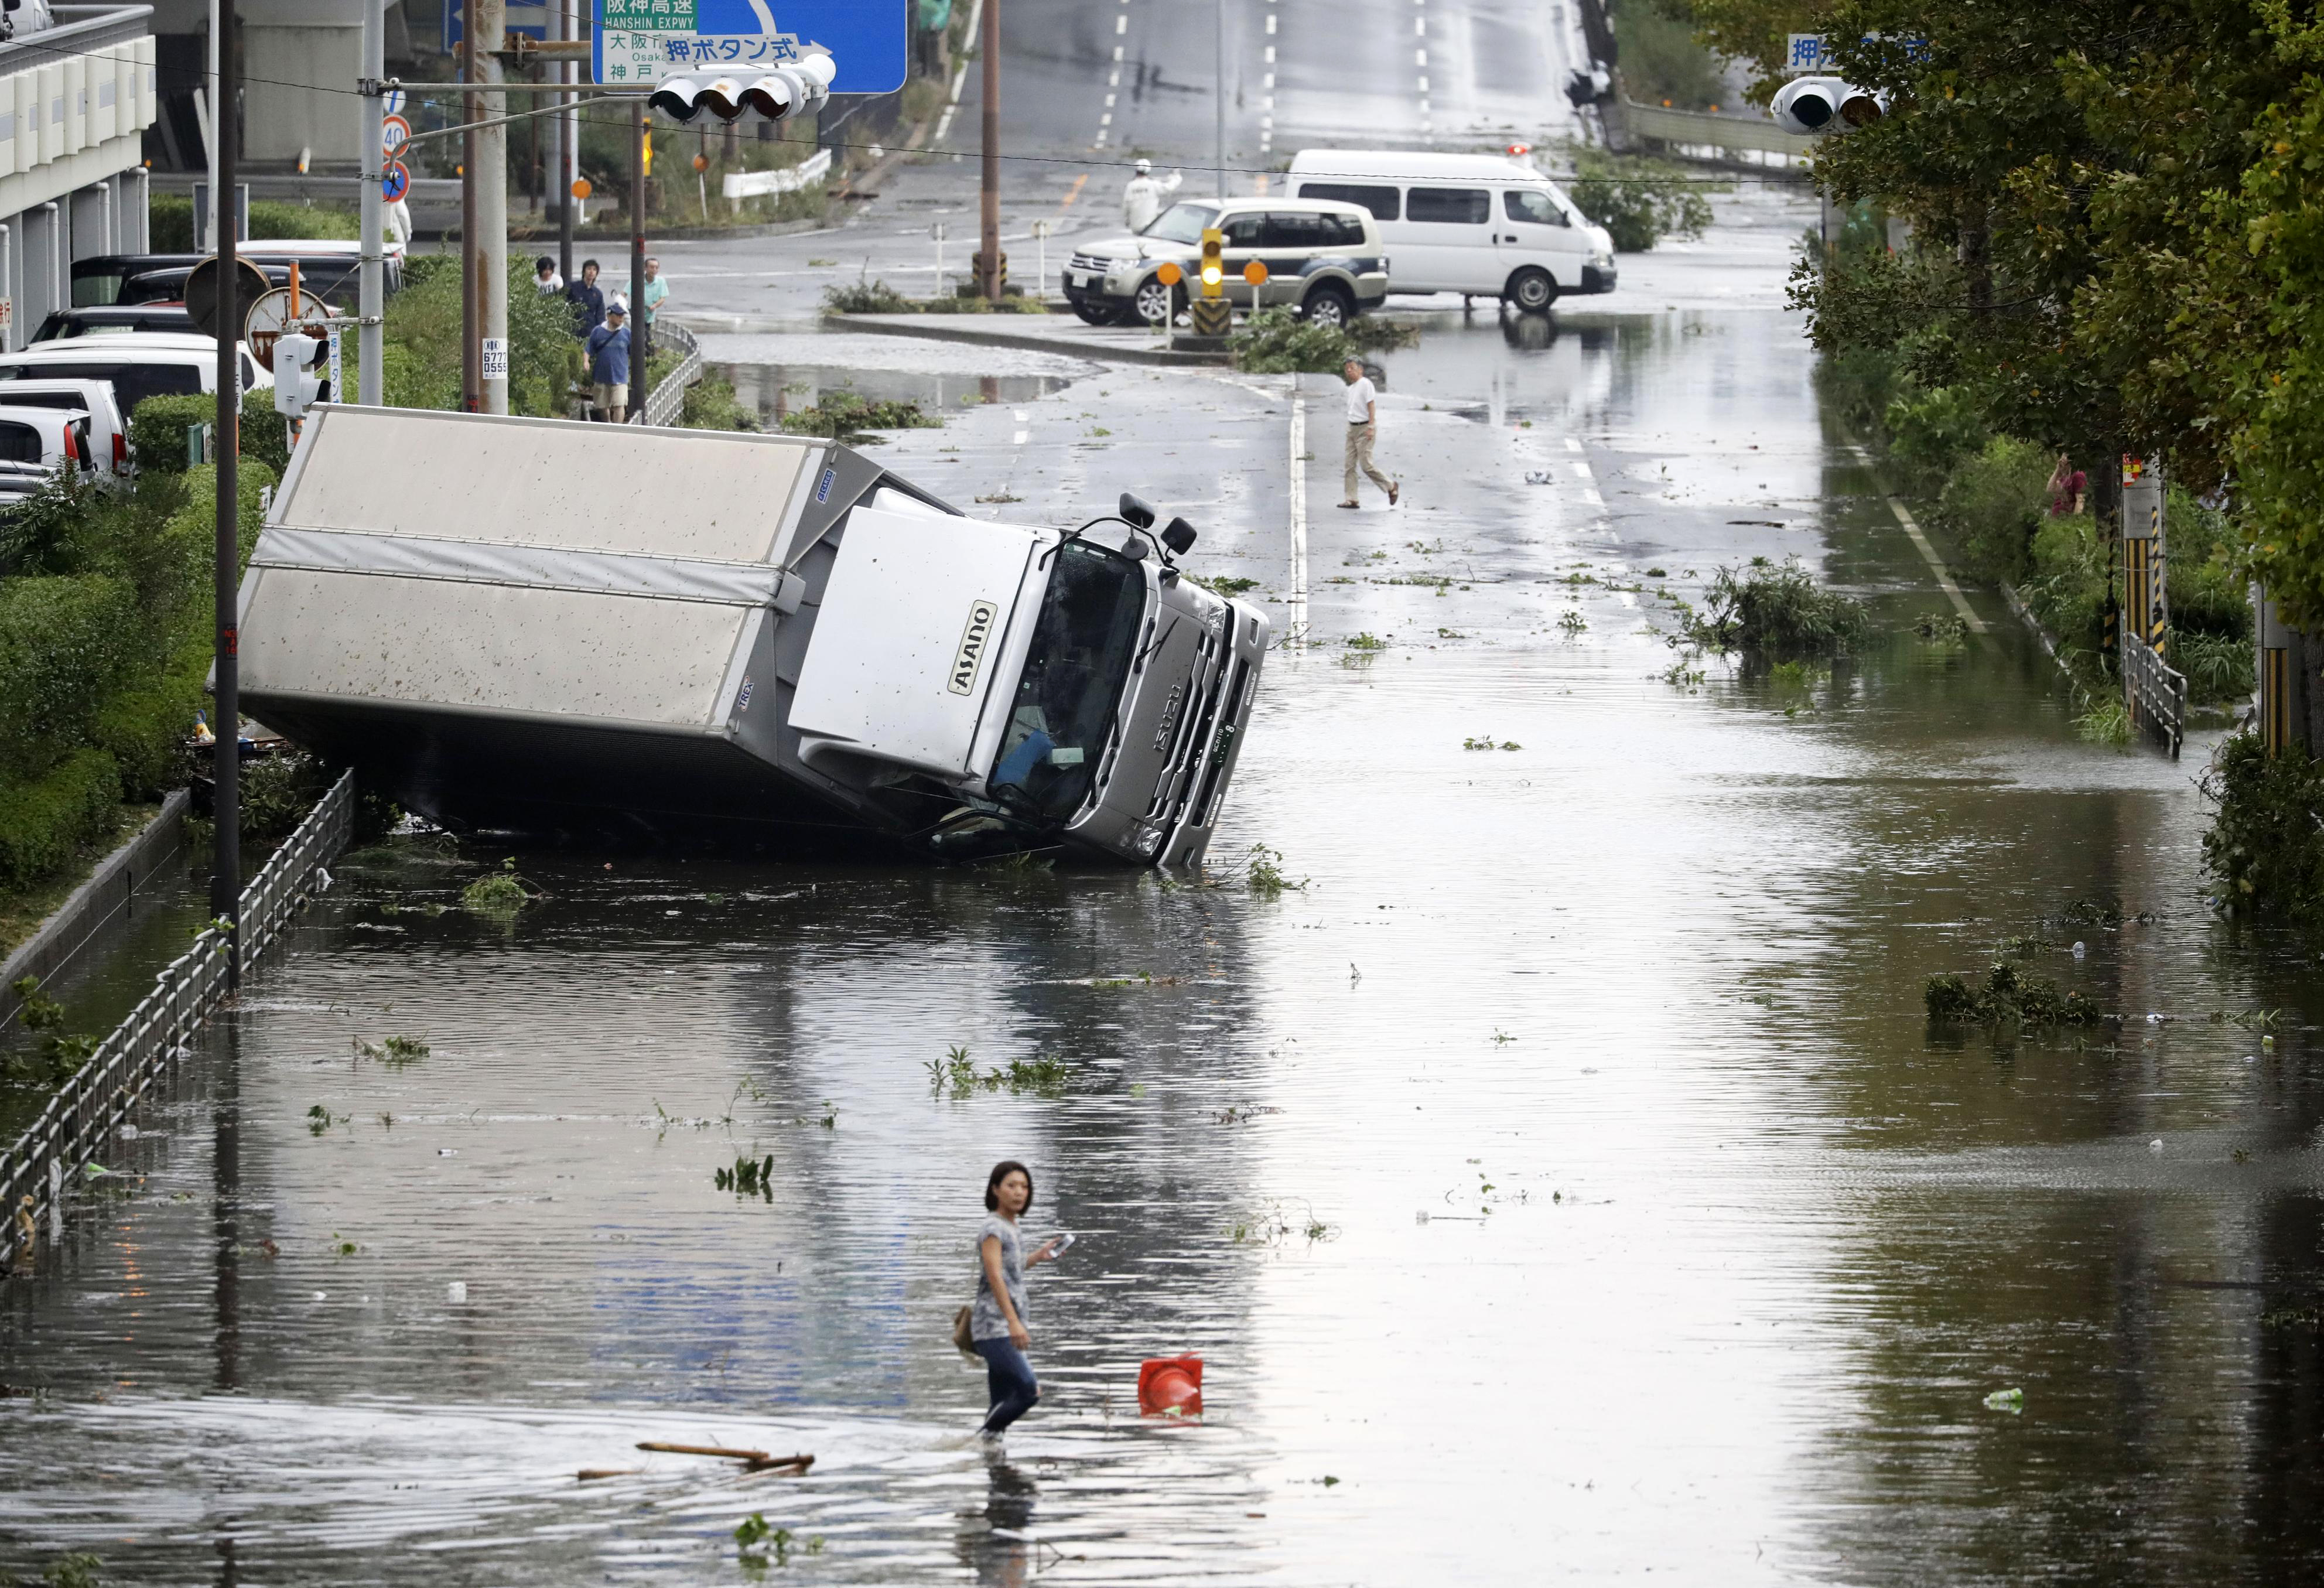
1141, 200
1363, 423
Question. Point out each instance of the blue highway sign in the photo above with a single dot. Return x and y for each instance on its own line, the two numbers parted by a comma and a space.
645, 41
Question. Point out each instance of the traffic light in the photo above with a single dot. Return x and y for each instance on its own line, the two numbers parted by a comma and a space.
774, 94
1214, 269
1823, 104
297, 387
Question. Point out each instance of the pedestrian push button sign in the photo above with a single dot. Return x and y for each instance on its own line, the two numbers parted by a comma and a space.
645, 41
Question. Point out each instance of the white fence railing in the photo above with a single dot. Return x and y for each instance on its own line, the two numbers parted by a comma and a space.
739, 185
2155, 692
88, 1109
663, 402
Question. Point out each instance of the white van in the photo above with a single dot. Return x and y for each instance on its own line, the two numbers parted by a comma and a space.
108, 438
1479, 225
138, 363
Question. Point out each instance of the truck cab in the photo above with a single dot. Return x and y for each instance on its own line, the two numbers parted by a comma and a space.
568, 628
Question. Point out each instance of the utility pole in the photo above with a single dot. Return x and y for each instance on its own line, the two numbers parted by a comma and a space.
569, 136
990, 269
641, 345
217, 96
491, 20
371, 296
226, 799
472, 325
1221, 8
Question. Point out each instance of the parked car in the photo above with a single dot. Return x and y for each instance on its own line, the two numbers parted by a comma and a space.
1324, 259
35, 443
138, 363
326, 268
108, 435
113, 318
1479, 225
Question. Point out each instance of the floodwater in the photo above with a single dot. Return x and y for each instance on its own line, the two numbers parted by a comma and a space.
1562, 1183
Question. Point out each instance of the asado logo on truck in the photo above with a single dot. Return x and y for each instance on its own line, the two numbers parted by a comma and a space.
973, 639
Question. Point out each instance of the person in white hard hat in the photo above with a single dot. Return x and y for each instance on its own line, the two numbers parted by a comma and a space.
1143, 198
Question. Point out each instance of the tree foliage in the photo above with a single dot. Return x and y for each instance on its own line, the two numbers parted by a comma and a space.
2118, 219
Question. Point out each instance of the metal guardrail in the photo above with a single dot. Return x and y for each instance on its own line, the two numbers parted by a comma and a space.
662, 405
145, 1048
2155, 693
1696, 129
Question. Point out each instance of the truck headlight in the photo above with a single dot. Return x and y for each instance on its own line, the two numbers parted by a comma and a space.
1603, 257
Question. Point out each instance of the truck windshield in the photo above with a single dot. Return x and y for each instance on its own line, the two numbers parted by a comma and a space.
1073, 681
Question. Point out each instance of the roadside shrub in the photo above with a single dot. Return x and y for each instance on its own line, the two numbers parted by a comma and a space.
843, 413
2066, 591
65, 641
865, 297
45, 821
172, 227
1661, 62
711, 406
1638, 200
157, 430
1992, 504
1930, 432
1859, 385
1778, 612
2218, 667
2265, 844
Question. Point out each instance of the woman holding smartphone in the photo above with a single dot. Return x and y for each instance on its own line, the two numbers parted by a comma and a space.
997, 1320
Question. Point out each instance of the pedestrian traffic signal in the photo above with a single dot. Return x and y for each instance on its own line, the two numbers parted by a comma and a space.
297, 386
1214, 269
785, 90
1823, 104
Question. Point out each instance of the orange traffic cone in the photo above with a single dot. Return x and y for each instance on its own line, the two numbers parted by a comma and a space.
1170, 1386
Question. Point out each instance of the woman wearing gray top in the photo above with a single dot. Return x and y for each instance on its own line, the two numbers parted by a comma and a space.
996, 1322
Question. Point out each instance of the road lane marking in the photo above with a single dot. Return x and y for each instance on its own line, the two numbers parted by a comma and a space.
1298, 627
1018, 439
1590, 495
1420, 26
1581, 470
1120, 23
1073, 192
1270, 23
1944, 578
960, 78
1572, 444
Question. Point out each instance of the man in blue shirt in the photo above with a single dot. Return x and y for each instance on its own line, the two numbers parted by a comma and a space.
609, 365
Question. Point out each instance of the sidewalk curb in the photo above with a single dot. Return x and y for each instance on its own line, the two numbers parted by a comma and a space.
936, 331
90, 908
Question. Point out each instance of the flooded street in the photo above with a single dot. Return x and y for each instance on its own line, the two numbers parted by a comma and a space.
1561, 1181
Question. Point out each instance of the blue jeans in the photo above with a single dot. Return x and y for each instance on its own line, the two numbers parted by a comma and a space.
1009, 1377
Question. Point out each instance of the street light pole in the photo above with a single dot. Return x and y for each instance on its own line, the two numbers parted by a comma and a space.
641, 344
988, 262
226, 799
371, 296
491, 210
471, 324
568, 133
1221, 106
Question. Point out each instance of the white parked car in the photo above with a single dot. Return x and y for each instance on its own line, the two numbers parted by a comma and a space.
35, 444
108, 435
139, 364
1479, 225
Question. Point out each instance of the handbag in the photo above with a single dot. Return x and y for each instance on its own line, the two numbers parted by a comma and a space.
963, 1341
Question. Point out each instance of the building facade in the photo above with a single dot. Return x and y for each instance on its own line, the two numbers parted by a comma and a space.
74, 101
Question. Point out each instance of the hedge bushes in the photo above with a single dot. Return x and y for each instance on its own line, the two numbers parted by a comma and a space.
173, 224
104, 642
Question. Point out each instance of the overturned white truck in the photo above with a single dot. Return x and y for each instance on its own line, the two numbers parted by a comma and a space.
599, 630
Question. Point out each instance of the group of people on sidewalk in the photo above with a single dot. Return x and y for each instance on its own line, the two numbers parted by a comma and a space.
603, 327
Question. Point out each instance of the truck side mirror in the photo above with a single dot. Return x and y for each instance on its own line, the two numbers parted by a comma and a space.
1178, 536
1137, 512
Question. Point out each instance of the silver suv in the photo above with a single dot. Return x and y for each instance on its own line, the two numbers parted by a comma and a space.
1322, 258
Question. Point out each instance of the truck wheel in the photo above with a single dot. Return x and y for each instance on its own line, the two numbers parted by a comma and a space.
1531, 290
1328, 305
1153, 302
